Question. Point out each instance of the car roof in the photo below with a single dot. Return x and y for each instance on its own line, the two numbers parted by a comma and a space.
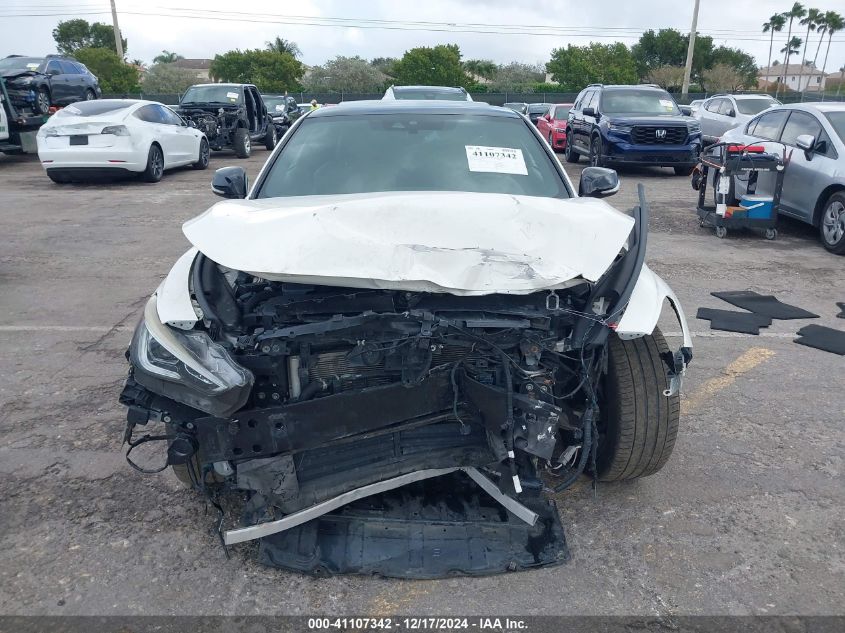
414, 106
441, 88
221, 84
827, 106
628, 87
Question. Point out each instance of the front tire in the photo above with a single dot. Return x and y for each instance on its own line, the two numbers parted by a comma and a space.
832, 224
204, 153
569, 153
596, 159
638, 424
90, 95
270, 137
42, 101
155, 165
241, 142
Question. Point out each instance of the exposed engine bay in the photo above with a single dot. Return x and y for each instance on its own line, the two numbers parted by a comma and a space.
217, 122
322, 405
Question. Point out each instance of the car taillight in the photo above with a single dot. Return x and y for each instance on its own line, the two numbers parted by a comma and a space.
117, 130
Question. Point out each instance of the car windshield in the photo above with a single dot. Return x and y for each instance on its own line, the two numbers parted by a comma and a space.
635, 101
20, 63
754, 106
364, 153
428, 94
95, 108
273, 102
561, 112
837, 120
537, 108
213, 94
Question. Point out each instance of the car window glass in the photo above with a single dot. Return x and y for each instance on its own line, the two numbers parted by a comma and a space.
751, 126
53, 67
713, 105
579, 99
412, 152
768, 125
68, 68
800, 123
837, 121
590, 99
168, 116
754, 106
95, 108
725, 107
561, 112
148, 113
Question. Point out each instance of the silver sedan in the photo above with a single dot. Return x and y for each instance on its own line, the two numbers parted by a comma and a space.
812, 135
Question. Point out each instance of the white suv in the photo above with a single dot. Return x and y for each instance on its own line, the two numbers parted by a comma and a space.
720, 113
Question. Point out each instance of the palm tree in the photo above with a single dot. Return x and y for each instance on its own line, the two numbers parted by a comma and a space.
167, 57
281, 45
833, 22
811, 21
821, 29
775, 23
797, 11
841, 79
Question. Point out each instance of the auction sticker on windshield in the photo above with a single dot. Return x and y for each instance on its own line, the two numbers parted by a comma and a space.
232, 95
667, 105
498, 160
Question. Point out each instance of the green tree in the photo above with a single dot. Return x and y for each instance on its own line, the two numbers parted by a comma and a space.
775, 24
269, 70
115, 75
345, 74
833, 23
167, 78
576, 66
723, 78
668, 47
431, 66
667, 77
167, 57
281, 45
384, 64
738, 60
481, 67
797, 11
71, 35
516, 77
811, 21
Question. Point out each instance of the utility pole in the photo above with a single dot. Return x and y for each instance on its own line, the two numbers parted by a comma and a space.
118, 42
690, 48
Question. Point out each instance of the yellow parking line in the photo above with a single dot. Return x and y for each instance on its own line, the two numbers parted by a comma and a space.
747, 361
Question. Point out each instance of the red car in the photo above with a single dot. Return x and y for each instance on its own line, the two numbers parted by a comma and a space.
552, 125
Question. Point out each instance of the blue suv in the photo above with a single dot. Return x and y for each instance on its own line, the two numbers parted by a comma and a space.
635, 125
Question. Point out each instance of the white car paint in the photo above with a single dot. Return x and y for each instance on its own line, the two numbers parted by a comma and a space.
460, 243
4, 122
174, 294
645, 306
180, 144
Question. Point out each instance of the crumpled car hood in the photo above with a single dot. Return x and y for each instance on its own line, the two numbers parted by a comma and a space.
460, 243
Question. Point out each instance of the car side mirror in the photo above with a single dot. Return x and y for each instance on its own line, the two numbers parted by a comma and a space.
807, 142
732, 112
589, 112
230, 182
598, 182
686, 110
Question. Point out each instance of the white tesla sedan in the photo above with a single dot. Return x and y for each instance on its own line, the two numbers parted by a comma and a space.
118, 135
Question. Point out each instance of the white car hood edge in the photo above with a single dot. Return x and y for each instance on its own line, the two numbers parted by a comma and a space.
459, 243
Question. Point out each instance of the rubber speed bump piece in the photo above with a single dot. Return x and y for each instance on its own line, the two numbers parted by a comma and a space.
823, 338
733, 321
767, 305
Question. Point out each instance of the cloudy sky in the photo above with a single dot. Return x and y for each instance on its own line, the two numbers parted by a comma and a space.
524, 30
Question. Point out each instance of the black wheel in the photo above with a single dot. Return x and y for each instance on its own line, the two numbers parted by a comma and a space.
552, 143
42, 101
242, 144
155, 165
60, 179
205, 152
596, 159
721, 232
270, 137
832, 224
771, 234
569, 153
638, 424
683, 171
89, 95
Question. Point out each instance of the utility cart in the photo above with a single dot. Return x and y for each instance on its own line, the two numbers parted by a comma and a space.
729, 162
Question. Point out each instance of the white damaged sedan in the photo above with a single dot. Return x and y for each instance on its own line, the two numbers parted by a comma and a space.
111, 136
404, 335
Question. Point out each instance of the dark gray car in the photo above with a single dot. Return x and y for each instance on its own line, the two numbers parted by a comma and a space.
813, 137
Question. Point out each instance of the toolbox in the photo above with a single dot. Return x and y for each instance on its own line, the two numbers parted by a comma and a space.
724, 163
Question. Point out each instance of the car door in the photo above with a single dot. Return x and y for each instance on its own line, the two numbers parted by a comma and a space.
578, 121
806, 173
710, 116
74, 80
183, 146
59, 88
725, 119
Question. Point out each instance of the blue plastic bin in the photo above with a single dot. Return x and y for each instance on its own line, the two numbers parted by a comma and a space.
759, 207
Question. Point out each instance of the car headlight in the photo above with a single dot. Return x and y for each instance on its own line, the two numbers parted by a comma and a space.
620, 128
693, 126
187, 366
